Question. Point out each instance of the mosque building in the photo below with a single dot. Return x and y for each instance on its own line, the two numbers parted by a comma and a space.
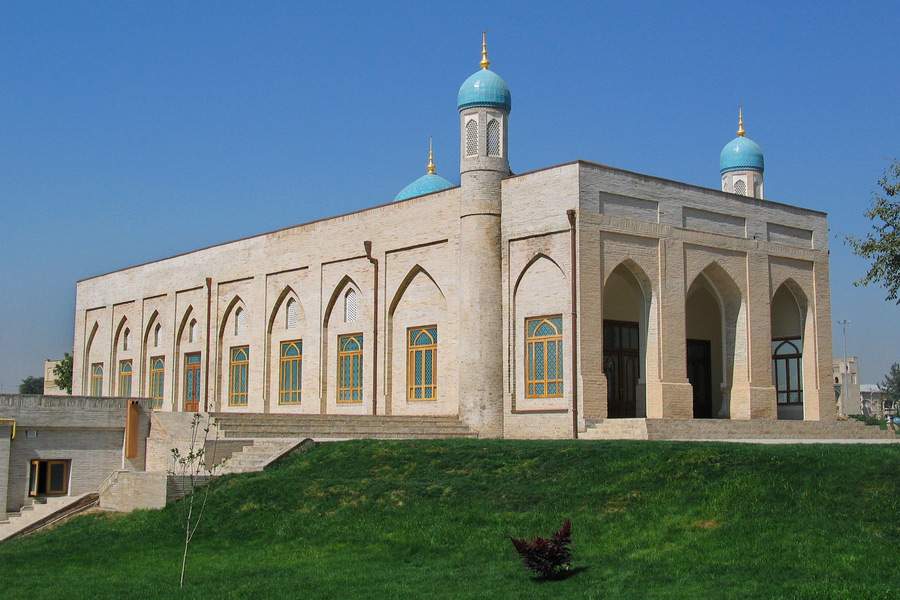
553, 303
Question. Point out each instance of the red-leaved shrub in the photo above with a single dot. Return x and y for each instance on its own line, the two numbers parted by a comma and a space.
544, 556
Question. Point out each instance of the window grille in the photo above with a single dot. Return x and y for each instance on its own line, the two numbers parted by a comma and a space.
740, 188
787, 372
194, 334
422, 364
471, 138
157, 375
126, 339
350, 306
543, 357
157, 336
291, 314
350, 368
125, 379
240, 362
240, 321
290, 382
97, 379
493, 138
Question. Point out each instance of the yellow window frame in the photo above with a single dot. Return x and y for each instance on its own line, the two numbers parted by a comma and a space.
421, 391
97, 379
157, 379
125, 371
237, 384
350, 369
290, 382
538, 360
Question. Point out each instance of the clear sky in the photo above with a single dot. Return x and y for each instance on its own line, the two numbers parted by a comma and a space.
134, 131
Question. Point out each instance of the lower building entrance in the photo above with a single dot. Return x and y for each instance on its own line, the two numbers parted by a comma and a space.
621, 365
699, 373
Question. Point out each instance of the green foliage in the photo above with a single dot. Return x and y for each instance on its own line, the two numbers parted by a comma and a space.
62, 371
32, 385
427, 519
890, 387
882, 247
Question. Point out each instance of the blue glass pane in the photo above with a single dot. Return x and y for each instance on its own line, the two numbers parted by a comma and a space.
539, 361
417, 368
532, 325
551, 360
429, 392
429, 367
193, 359
433, 333
545, 329
539, 389
418, 393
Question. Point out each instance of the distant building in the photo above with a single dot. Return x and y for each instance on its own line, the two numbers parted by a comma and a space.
50, 387
872, 400
845, 372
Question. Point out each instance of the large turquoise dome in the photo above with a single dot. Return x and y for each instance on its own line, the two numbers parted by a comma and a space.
425, 184
484, 88
741, 154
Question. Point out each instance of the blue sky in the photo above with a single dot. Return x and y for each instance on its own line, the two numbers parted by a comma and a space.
134, 131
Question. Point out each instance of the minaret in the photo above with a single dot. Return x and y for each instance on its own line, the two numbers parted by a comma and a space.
741, 164
484, 103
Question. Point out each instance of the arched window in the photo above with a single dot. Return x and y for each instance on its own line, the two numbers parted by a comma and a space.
740, 188
97, 379
240, 363
787, 358
422, 365
350, 306
290, 381
493, 138
239, 321
157, 374
350, 368
471, 137
837, 379
194, 332
126, 339
291, 314
543, 357
125, 379
157, 336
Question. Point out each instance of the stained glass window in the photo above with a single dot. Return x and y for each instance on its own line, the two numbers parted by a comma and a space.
240, 362
422, 364
125, 378
350, 368
291, 377
157, 374
543, 357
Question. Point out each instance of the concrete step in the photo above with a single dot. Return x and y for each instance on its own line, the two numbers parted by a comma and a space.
44, 512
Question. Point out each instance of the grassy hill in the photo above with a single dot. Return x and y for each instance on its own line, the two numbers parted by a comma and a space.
415, 519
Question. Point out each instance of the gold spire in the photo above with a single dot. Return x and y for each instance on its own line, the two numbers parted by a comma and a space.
485, 63
430, 156
741, 131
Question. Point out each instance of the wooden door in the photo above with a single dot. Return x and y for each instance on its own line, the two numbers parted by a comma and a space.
192, 382
621, 364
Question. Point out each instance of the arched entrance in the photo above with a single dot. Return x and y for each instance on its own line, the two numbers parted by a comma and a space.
787, 354
625, 335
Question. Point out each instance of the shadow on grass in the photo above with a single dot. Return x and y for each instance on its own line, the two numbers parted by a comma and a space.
560, 575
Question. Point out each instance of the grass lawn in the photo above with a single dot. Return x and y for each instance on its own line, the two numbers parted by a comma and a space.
417, 519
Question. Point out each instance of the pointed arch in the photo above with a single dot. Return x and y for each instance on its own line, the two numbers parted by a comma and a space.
338, 292
183, 324
793, 349
401, 289
232, 307
528, 265
123, 322
151, 325
286, 294
86, 367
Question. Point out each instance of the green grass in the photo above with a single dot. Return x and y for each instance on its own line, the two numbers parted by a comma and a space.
409, 520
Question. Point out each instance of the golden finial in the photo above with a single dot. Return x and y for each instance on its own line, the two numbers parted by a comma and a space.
741, 132
485, 63
431, 156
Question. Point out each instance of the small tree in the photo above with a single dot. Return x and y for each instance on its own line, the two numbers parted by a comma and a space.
62, 371
192, 470
890, 387
32, 385
883, 246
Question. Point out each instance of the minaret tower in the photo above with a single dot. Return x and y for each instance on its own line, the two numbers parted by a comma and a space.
741, 164
484, 103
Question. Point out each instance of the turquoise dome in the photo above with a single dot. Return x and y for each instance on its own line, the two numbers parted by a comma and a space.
425, 184
484, 88
741, 154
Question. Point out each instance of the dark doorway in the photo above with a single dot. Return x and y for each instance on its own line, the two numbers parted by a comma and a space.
699, 373
621, 364
48, 478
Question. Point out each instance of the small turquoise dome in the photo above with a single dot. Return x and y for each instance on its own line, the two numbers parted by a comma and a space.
425, 184
741, 154
484, 88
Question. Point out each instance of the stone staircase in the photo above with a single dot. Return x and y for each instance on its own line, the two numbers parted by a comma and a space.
260, 453
731, 430
38, 513
340, 427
